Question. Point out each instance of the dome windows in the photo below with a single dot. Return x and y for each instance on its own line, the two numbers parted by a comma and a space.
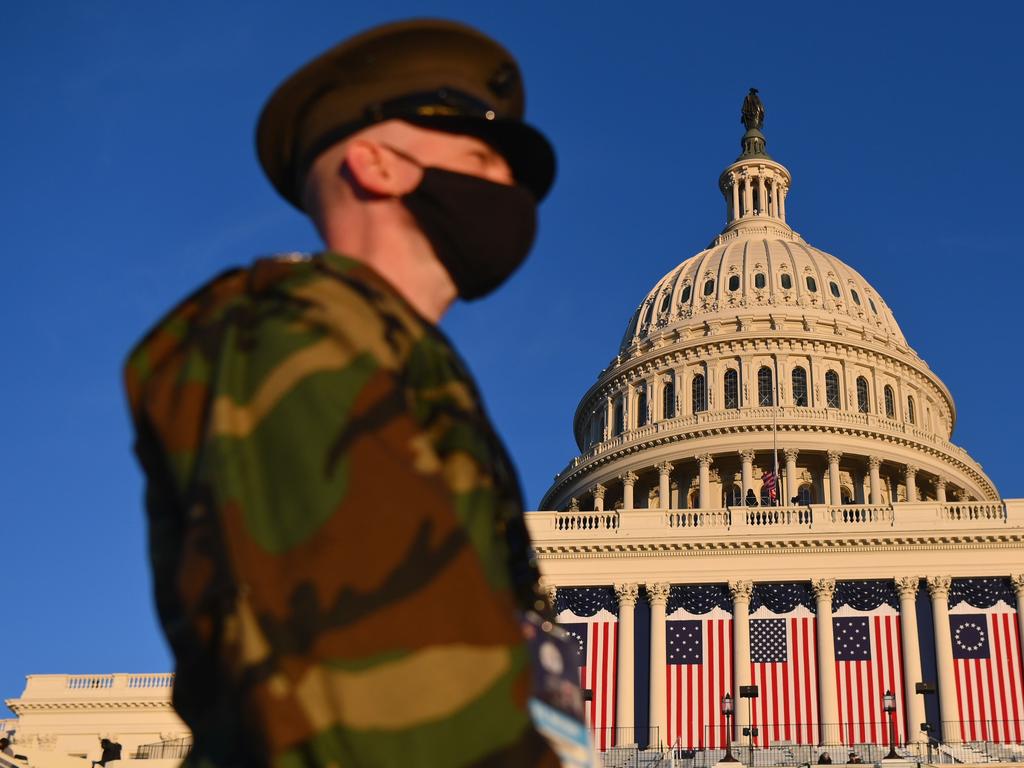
685, 297
799, 387
641, 405
911, 416
664, 302
786, 281
812, 284
732, 389
890, 403
873, 307
862, 395
618, 417
856, 296
834, 288
734, 282
759, 280
832, 398
699, 393
668, 398
709, 287
765, 390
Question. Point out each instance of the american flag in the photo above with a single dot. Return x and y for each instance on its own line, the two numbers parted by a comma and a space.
987, 662
768, 480
588, 614
868, 663
783, 664
699, 674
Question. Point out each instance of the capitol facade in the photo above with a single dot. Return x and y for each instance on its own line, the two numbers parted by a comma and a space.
767, 495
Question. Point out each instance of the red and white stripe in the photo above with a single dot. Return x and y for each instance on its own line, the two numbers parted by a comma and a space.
695, 691
861, 684
787, 706
989, 691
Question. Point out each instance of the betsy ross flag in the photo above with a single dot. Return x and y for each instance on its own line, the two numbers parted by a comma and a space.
698, 675
783, 664
868, 663
987, 662
588, 615
770, 484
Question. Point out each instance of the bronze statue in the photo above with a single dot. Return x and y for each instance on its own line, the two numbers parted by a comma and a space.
752, 115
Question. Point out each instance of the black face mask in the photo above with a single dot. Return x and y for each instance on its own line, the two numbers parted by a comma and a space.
480, 230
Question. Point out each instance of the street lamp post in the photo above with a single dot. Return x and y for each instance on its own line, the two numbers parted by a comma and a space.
727, 711
889, 705
749, 692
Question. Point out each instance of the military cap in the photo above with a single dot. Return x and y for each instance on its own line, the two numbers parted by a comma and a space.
433, 73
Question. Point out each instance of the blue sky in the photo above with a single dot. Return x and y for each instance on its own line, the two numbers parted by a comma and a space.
129, 177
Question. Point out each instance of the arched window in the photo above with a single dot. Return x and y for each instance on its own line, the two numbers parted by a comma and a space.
845, 495
732, 389
699, 392
765, 393
734, 496
641, 405
800, 387
832, 399
812, 284
786, 281
693, 500
873, 307
618, 422
668, 398
759, 281
890, 403
910, 411
664, 302
734, 282
856, 297
686, 294
835, 289
805, 495
709, 287
862, 395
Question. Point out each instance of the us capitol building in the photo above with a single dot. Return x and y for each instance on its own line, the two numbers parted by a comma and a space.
882, 556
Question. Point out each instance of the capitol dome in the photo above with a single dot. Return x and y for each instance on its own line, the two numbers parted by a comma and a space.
764, 353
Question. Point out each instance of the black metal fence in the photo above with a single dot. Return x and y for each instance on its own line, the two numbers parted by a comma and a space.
175, 749
607, 738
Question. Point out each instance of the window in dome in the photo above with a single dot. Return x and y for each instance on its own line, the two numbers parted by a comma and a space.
618, 423
734, 496
734, 282
856, 297
759, 281
873, 307
686, 294
732, 389
862, 395
812, 284
641, 405
835, 290
699, 393
910, 410
805, 496
832, 390
890, 403
648, 314
668, 398
709, 287
786, 280
799, 387
664, 302
765, 394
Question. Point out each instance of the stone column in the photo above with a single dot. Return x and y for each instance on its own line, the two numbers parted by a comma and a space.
828, 699
907, 588
782, 204
874, 480
628, 481
747, 463
658, 595
833, 477
735, 196
664, 477
624, 709
748, 194
792, 484
704, 481
938, 588
910, 475
599, 497
1017, 580
742, 592
940, 489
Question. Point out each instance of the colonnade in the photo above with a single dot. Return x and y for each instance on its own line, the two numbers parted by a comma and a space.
756, 192
742, 591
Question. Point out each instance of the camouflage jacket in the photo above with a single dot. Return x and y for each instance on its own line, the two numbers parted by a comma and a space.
336, 531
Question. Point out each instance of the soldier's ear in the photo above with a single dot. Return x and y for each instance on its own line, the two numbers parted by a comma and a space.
378, 171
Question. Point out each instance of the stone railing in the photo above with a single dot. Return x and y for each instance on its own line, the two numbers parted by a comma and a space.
921, 518
103, 686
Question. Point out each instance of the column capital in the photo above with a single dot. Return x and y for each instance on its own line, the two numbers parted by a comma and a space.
940, 480
834, 457
938, 586
747, 454
824, 589
790, 453
657, 594
1017, 581
907, 585
665, 468
705, 459
742, 590
874, 462
627, 594
910, 469
628, 478
599, 491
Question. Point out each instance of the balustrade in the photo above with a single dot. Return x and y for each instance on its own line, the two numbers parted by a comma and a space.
586, 521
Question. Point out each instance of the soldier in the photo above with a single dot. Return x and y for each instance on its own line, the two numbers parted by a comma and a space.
339, 554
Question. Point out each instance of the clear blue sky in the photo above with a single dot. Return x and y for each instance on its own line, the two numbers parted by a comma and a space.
128, 177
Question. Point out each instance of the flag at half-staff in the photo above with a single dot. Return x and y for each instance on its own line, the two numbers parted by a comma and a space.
770, 485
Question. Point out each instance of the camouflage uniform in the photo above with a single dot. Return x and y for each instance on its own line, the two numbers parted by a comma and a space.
335, 529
